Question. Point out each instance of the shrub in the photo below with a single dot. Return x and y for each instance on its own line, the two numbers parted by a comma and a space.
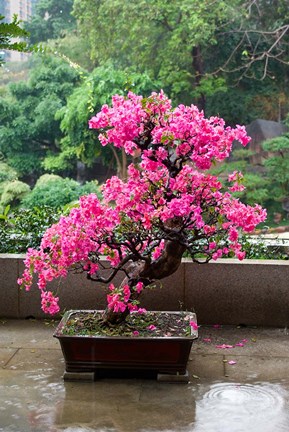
54, 191
13, 193
24, 228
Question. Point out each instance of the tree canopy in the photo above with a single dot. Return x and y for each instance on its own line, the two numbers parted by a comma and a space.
95, 90
28, 127
52, 18
198, 49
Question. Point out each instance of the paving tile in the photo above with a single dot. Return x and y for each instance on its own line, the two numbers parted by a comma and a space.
205, 366
115, 390
6, 354
260, 341
249, 368
28, 400
36, 360
28, 334
107, 415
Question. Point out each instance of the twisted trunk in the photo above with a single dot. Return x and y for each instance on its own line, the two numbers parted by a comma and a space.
140, 271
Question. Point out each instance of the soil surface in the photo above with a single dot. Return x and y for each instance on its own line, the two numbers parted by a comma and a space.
152, 324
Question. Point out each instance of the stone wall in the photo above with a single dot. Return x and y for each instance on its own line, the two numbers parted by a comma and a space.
249, 292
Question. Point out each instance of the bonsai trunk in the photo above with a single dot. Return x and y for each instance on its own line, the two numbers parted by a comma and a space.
144, 272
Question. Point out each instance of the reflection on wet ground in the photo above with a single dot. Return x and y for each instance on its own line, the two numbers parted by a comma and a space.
249, 396
235, 407
145, 406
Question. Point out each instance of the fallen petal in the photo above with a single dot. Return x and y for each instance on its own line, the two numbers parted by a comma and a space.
216, 326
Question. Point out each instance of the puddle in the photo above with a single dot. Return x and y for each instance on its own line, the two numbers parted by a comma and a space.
50, 406
234, 407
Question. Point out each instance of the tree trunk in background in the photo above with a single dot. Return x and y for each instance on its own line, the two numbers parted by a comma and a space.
198, 67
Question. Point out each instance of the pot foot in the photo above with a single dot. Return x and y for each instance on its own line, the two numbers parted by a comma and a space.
79, 376
173, 378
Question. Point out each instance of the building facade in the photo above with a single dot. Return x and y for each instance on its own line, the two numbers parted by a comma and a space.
23, 10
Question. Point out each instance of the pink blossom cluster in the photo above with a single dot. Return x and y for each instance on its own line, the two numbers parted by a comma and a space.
123, 298
132, 222
237, 178
183, 129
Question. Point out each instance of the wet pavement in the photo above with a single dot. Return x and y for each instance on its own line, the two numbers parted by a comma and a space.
239, 382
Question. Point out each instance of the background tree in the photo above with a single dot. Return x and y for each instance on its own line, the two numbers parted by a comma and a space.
197, 49
165, 38
28, 126
256, 183
51, 20
78, 142
252, 54
277, 169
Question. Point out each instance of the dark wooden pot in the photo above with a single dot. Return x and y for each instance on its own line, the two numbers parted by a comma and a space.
91, 353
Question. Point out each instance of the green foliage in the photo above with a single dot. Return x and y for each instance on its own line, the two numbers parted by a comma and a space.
13, 192
28, 128
169, 32
96, 89
256, 184
55, 191
6, 173
9, 31
73, 47
258, 249
232, 105
257, 189
277, 164
51, 20
91, 187
198, 49
24, 229
269, 186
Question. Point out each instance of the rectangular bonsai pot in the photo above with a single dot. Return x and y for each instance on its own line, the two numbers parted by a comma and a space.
91, 353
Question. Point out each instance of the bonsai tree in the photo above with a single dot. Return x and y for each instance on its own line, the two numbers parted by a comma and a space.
169, 205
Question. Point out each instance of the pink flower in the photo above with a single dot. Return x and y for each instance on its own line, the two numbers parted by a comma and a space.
194, 325
237, 188
151, 327
212, 245
126, 293
49, 302
139, 287
232, 362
